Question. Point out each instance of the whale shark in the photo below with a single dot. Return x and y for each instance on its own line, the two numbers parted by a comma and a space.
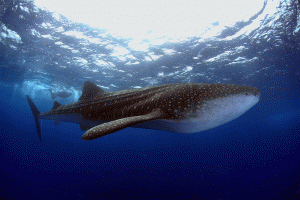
179, 107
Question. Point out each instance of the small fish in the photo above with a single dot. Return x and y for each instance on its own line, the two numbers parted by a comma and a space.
181, 107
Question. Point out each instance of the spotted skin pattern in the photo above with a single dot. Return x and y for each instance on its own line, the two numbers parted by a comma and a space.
107, 112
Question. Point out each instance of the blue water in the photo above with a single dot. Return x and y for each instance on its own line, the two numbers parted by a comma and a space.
253, 157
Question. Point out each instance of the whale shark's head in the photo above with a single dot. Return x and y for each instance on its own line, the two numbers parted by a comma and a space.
225, 100
205, 106
226, 103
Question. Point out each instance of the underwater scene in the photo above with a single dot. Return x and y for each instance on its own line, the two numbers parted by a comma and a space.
150, 100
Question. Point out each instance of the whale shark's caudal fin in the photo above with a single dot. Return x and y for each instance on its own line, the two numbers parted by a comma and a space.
36, 114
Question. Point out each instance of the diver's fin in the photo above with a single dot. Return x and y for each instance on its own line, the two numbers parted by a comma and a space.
36, 114
119, 124
53, 96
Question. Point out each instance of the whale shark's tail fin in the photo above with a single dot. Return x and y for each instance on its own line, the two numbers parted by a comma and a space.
36, 114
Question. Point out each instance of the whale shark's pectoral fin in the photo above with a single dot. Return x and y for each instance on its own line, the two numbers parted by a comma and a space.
116, 125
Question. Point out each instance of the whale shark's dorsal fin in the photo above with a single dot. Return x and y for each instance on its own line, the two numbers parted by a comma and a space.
55, 105
91, 91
